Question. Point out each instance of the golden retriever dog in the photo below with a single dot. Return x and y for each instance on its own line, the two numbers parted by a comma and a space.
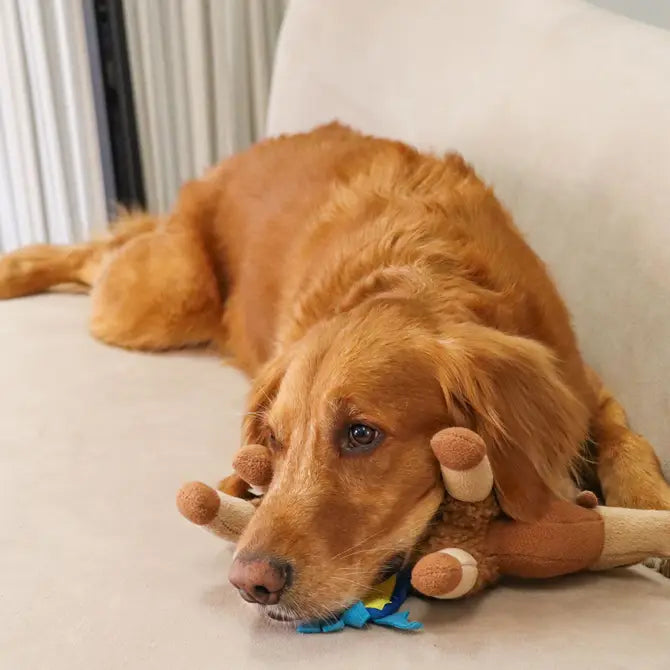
375, 295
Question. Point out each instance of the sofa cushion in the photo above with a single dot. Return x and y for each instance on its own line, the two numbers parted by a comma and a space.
99, 570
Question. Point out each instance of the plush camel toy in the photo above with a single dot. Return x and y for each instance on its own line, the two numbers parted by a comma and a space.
471, 543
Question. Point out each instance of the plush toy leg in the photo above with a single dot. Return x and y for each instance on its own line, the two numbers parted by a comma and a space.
570, 538
223, 515
632, 536
466, 470
445, 574
567, 539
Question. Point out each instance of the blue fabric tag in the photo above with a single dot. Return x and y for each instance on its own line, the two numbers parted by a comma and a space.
358, 615
400, 621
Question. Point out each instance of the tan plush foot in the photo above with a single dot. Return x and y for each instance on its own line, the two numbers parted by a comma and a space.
253, 463
466, 470
220, 514
632, 536
198, 503
446, 574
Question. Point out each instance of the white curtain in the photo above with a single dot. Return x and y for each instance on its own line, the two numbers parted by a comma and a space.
51, 178
200, 72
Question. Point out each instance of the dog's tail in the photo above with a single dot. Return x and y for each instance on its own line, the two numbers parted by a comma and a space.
37, 268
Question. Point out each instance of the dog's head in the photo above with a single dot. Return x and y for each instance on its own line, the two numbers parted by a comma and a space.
348, 412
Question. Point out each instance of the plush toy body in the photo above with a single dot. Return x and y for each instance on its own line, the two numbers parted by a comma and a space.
472, 544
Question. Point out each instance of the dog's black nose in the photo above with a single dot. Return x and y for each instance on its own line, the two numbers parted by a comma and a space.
260, 579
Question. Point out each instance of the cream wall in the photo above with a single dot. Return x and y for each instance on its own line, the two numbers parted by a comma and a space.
656, 12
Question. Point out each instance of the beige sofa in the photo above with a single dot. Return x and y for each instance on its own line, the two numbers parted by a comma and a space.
565, 109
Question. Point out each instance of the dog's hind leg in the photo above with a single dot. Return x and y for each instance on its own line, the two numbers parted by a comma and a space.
153, 285
628, 469
160, 290
157, 292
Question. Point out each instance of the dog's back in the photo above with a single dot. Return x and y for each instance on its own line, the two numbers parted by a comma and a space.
300, 227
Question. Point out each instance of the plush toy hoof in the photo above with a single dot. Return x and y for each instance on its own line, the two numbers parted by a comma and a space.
445, 574
198, 502
458, 448
587, 499
234, 485
253, 463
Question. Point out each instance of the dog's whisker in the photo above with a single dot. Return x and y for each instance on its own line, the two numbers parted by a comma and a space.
345, 553
366, 587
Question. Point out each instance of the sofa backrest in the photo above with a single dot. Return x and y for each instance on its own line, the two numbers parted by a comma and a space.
563, 107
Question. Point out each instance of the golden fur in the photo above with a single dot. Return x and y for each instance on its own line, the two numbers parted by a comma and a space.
356, 279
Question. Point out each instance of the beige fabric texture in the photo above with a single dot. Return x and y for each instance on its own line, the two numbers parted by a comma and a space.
471, 485
647, 530
562, 106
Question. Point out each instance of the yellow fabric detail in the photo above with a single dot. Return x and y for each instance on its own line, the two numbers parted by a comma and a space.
380, 596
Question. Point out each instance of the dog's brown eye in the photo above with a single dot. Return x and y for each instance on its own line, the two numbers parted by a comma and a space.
362, 437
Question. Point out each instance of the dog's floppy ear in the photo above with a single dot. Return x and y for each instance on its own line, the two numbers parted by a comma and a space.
510, 391
262, 394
